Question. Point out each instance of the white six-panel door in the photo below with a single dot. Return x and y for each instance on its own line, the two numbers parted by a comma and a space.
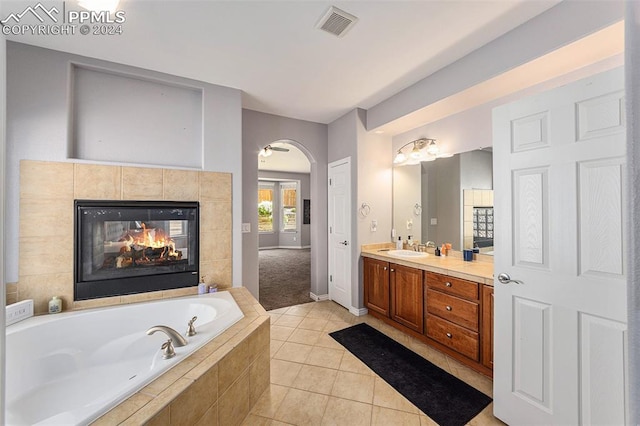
340, 232
560, 333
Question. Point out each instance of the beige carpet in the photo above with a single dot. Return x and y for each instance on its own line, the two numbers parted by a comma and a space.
284, 277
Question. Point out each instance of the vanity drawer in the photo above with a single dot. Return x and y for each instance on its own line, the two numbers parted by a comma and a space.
457, 338
454, 309
455, 286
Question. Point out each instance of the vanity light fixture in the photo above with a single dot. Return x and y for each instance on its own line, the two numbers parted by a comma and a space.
424, 149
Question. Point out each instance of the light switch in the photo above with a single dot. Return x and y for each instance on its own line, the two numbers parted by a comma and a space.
434, 220
409, 223
374, 225
246, 228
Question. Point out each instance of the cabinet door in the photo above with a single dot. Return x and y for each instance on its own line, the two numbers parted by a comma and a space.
487, 326
407, 302
376, 285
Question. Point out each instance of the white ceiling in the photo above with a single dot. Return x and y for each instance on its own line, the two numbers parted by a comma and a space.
272, 51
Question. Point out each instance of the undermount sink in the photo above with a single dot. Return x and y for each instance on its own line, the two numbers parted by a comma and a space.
407, 253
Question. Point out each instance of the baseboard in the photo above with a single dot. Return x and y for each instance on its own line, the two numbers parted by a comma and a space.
319, 298
358, 311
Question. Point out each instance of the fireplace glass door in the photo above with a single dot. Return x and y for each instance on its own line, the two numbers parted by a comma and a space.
125, 247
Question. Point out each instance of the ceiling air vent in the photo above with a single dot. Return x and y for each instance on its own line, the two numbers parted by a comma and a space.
337, 22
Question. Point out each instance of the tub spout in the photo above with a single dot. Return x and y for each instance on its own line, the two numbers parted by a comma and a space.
178, 340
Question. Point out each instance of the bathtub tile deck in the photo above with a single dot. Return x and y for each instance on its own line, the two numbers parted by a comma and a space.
314, 380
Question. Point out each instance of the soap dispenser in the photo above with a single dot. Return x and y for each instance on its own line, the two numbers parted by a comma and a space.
399, 243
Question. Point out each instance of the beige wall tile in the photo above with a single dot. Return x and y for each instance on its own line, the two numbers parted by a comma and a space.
210, 418
41, 288
194, 402
45, 255
233, 365
234, 405
215, 186
215, 216
215, 245
46, 180
140, 183
158, 404
259, 376
216, 271
41, 217
260, 338
467, 196
97, 182
179, 292
180, 185
163, 418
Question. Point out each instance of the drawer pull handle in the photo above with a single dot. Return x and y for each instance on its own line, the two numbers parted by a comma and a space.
448, 308
448, 284
385, 268
449, 335
393, 270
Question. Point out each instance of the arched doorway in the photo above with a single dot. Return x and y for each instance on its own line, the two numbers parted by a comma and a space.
284, 231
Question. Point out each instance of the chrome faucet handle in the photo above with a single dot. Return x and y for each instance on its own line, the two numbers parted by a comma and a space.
191, 331
167, 349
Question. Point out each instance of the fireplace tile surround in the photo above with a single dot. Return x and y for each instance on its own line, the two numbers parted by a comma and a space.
47, 192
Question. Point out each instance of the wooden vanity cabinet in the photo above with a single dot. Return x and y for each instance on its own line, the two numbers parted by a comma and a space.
453, 314
407, 305
487, 326
376, 286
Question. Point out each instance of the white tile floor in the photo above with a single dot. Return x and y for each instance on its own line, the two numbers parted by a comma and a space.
315, 381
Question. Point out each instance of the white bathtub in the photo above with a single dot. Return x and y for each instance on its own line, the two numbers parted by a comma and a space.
71, 368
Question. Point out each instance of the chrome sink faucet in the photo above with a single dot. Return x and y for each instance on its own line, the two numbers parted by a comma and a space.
176, 337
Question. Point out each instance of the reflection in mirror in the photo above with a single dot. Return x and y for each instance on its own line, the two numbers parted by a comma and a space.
436, 200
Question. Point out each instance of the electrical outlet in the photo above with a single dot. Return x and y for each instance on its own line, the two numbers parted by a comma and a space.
409, 223
246, 228
295, 238
19, 311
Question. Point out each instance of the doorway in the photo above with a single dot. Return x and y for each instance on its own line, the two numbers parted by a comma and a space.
284, 237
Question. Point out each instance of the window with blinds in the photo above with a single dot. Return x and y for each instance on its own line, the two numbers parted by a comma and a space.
265, 208
289, 200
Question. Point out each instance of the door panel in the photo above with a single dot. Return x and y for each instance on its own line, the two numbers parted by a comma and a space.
559, 161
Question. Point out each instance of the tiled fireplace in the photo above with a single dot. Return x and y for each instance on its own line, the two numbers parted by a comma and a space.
129, 247
46, 243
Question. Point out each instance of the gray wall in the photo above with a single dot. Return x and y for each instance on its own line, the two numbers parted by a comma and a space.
3, 97
286, 239
38, 109
258, 130
632, 70
476, 170
370, 182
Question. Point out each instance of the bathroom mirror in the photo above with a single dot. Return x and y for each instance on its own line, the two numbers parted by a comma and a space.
447, 200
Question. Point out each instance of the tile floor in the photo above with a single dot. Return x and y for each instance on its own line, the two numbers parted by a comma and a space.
315, 381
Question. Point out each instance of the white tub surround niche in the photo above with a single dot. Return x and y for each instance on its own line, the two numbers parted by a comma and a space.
47, 194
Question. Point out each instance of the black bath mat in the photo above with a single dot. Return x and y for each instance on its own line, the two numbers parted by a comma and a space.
444, 398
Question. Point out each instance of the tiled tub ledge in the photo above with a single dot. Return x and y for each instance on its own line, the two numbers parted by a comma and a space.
216, 385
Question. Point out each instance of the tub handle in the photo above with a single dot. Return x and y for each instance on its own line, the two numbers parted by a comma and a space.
167, 349
191, 331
